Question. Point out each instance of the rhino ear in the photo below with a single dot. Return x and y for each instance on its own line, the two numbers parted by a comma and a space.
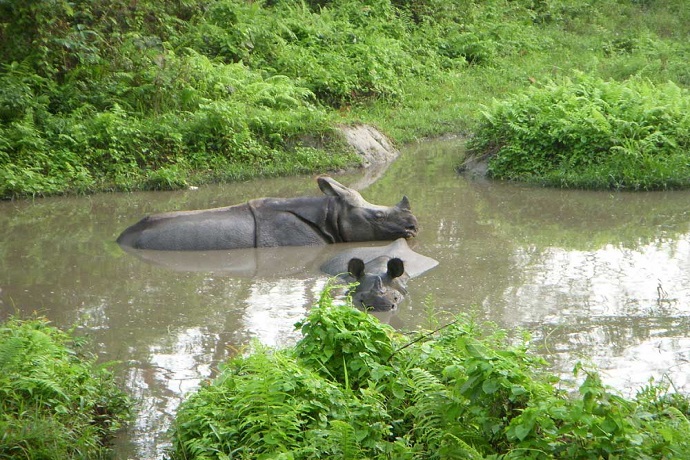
332, 187
396, 267
404, 204
355, 267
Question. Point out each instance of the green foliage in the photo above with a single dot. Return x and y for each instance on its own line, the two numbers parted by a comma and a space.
268, 403
348, 347
55, 402
344, 51
132, 112
590, 133
467, 392
101, 95
238, 121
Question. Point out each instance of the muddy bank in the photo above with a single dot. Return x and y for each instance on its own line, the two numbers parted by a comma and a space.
369, 143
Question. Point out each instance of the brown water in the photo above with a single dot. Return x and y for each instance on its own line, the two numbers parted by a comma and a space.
596, 276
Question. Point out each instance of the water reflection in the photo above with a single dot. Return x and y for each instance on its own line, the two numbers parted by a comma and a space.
273, 307
623, 310
267, 263
596, 276
628, 351
612, 281
174, 368
665, 357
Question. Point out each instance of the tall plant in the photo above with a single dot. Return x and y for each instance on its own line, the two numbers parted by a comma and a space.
590, 133
353, 388
55, 401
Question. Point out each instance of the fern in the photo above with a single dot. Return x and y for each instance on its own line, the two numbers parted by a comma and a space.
423, 384
40, 388
429, 401
452, 447
55, 403
11, 351
590, 133
343, 441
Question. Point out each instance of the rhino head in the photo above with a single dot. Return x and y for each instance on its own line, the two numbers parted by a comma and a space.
377, 290
359, 220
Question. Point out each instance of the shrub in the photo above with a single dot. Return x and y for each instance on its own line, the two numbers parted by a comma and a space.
353, 388
590, 133
221, 89
343, 344
55, 402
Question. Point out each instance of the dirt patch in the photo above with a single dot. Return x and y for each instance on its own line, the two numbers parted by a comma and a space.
370, 144
475, 166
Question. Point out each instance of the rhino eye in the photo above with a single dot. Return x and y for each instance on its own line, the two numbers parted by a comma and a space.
379, 215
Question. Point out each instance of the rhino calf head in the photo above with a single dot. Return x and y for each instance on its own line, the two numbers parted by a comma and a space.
376, 289
382, 273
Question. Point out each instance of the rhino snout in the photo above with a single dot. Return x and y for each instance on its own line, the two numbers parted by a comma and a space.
383, 303
411, 230
405, 229
377, 296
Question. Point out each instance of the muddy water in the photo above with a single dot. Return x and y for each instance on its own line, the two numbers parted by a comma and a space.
597, 277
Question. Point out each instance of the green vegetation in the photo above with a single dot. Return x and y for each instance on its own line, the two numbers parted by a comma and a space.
590, 133
115, 95
55, 402
354, 388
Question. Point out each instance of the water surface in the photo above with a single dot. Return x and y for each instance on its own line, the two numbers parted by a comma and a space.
597, 277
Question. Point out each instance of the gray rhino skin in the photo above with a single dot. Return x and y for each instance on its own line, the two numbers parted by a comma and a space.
341, 215
381, 273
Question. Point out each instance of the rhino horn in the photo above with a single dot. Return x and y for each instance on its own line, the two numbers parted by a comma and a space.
404, 204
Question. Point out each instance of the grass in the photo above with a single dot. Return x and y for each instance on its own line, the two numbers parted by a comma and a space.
99, 96
354, 388
55, 401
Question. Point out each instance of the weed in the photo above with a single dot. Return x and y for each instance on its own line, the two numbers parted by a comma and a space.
55, 402
461, 392
589, 133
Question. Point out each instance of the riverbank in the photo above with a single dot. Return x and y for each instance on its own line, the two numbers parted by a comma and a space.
106, 97
522, 257
354, 388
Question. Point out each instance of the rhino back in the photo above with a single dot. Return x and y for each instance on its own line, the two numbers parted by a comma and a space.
415, 263
306, 221
221, 228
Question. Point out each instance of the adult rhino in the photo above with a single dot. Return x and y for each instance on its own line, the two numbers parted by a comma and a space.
341, 215
381, 273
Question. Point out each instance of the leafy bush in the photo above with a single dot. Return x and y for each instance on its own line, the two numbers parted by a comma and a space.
218, 118
347, 347
590, 133
132, 111
353, 388
102, 95
55, 402
99, 95
343, 52
268, 403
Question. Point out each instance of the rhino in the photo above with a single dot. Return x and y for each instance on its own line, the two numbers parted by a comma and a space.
341, 215
379, 274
